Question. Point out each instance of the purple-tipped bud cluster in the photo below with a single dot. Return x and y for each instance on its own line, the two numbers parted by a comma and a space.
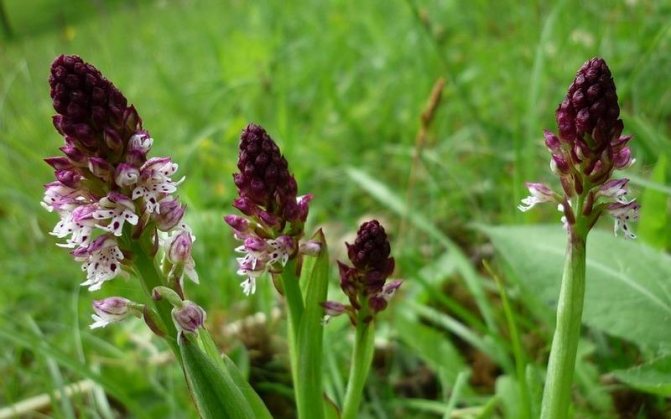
589, 147
274, 216
365, 283
107, 190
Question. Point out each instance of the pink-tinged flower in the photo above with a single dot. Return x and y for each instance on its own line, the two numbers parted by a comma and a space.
101, 261
170, 213
189, 317
118, 208
155, 182
126, 174
624, 213
615, 189
540, 193
110, 310
140, 141
261, 256
58, 197
78, 224
179, 254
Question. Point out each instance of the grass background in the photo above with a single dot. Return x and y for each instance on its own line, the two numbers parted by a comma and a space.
340, 85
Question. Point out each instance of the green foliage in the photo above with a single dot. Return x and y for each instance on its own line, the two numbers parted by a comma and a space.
655, 228
652, 377
343, 85
628, 289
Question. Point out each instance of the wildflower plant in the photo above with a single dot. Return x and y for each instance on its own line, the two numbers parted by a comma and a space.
119, 217
365, 285
587, 150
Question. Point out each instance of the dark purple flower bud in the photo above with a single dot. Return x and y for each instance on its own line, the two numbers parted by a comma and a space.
237, 223
246, 206
74, 154
622, 158
90, 108
59, 163
189, 317
370, 255
551, 141
590, 107
370, 250
68, 178
101, 168
264, 178
559, 165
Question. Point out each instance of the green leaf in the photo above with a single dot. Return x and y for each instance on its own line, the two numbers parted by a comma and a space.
654, 226
214, 390
314, 277
628, 290
257, 405
653, 377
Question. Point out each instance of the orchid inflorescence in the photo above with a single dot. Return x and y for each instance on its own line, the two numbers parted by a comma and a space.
273, 215
365, 283
589, 148
108, 193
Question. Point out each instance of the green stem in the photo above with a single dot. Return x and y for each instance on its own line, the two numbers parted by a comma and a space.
362, 357
150, 277
557, 393
295, 308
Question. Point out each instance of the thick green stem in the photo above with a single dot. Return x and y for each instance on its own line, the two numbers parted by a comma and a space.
557, 393
362, 357
150, 277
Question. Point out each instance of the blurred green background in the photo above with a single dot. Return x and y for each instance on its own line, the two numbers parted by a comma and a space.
341, 86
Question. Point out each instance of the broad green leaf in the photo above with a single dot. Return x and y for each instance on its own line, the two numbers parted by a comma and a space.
653, 377
214, 391
314, 278
628, 290
654, 225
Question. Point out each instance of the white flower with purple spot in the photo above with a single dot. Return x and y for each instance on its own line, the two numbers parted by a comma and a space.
118, 209
102, 261
155, 181
78, 224
260, 256
624, 212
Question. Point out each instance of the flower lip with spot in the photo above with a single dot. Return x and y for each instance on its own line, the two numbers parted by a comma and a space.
624, 212
120, 209
102, 261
